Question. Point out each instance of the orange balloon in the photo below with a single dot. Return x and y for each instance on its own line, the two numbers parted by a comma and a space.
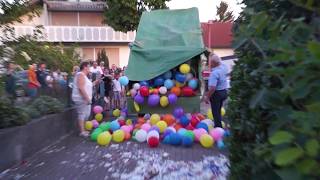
201, 117
169, 119
127, 136
155, 91
176, 91
177, 126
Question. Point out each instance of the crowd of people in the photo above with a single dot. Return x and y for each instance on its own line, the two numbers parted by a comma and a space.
37, 80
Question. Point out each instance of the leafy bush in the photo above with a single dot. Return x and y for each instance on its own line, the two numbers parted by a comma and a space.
45, 105
275, 97
10, 115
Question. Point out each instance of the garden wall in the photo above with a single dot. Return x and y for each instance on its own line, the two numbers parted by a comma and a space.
20, 142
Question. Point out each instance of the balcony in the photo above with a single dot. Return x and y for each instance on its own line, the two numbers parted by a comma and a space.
78, 34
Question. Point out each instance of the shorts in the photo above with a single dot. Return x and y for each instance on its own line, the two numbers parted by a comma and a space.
83, 111
116, 95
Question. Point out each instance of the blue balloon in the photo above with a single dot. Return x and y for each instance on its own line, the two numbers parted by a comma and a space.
166, 140
180, 77
182, 131
167, 75
175, 139
144, 83
124, 80
220, 144
114, 125
193, 83
187, 141
168, 83
184, 121
226, 133
158, 81
202, 125
167, 132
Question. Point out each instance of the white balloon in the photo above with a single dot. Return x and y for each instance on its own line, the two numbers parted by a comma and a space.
136, 86
133, 92
163, 90
189, 76
208, 122
172, 128
153, 133
141, 135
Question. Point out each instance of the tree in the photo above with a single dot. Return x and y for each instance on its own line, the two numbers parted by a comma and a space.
102, 57
274, 106
12, 11
124, 15
224, 15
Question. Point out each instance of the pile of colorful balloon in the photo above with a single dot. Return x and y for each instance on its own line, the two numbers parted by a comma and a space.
177, 129
164, 89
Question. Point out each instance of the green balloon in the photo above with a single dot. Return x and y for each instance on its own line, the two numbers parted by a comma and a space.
105, 126
95, 134
190, 134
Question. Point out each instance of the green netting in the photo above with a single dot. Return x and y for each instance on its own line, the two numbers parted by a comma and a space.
165, 39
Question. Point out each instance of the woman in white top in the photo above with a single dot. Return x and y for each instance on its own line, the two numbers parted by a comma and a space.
82, 96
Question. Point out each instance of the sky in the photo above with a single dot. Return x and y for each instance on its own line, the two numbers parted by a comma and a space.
207, 8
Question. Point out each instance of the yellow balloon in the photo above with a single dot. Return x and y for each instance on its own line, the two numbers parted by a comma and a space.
154, 119
184, 68
223, 111
164, 101
116, 113
179, 84
209, 114
162, 125
88, 125
118, 136
136, 106
128, 93
129, 122
98, 117
104, 138
223, 124
206, 141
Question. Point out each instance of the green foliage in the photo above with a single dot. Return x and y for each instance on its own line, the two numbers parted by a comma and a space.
46, 105
124, 15
102, 57
275, 97
224, 15
11, 115
13, 10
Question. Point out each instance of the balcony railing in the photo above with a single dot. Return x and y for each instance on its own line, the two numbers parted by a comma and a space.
77, 34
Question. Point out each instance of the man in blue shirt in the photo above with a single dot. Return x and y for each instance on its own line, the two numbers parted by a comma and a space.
218, 85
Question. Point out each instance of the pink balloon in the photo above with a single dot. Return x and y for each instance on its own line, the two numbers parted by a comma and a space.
146, 126
217, 133
95, 123
97, 109
126, 128
131, 127
198, 133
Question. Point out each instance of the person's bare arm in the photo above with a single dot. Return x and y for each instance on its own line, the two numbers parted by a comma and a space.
81, 84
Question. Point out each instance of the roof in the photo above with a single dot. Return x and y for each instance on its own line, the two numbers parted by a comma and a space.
217, 34
164, 40
75, 6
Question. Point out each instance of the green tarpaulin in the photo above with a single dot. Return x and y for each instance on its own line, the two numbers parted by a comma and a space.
165, 39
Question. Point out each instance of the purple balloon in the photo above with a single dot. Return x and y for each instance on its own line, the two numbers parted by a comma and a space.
172, 98
139, 99
153, 100
178, 112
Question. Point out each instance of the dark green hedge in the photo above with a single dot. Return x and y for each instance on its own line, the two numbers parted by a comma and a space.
275, 97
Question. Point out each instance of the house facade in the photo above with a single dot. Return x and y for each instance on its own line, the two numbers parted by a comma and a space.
80, 23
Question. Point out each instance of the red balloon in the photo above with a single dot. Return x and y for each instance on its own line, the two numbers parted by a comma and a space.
122, 122
189, 127
200, 116
153, 142
194, 121
144, 91
177, 126
188, 91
